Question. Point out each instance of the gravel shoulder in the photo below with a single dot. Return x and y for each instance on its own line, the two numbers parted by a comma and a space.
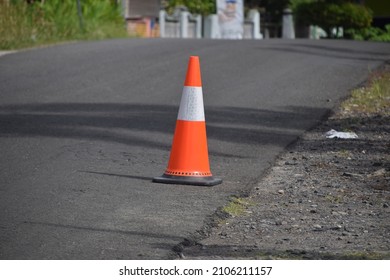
323, 199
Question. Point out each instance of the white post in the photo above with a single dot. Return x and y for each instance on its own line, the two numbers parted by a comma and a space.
125, 8
161, 20
254, 17
198, 26
184, 24
288, 25
211, 27
313, 32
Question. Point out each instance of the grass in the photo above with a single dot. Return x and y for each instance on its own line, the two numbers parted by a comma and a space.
237, 206
25, 25
372, 99
344, 153
334, 199
302, 255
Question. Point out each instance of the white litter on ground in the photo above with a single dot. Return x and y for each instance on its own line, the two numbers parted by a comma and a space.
343, 135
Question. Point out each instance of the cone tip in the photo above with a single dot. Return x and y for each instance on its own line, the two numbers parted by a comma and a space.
193, 77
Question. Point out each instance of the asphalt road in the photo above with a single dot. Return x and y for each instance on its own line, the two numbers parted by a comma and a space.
84, 127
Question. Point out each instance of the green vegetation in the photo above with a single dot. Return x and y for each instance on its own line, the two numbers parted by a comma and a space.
303, 255
202, 7
373, 99
370, 33
353, 18
333, 14
359, 255
24, 24
334, 199
236, 206
344, 153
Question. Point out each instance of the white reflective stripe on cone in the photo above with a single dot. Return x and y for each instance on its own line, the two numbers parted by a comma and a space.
191, 105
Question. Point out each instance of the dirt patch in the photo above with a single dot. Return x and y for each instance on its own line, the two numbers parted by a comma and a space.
323, 198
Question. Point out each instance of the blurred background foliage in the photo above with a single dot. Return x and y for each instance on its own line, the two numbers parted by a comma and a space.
202, 7
28, 23
355, 19
25, 23
333, 14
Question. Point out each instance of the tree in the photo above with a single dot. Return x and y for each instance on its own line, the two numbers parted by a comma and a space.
202, 7
273, 7
333, 14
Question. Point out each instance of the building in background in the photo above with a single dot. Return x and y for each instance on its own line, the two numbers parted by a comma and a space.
141, 17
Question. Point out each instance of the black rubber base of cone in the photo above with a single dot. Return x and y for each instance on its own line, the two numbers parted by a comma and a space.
188, 180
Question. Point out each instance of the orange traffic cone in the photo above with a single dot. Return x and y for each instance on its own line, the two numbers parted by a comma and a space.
189, 160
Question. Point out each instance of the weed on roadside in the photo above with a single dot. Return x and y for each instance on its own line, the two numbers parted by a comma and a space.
372, 99
24, 25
